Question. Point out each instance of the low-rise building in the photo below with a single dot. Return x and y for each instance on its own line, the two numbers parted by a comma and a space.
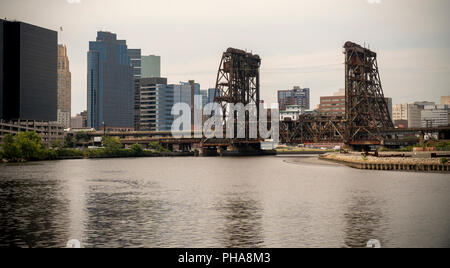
435, 116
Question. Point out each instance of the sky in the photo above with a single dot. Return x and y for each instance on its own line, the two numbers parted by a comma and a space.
299, 41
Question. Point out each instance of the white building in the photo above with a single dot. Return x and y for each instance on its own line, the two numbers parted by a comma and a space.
435, 116
292, 112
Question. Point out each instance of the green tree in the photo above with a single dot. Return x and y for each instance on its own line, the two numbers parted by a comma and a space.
82, 137
112, 145
30, 145
57, 144
69, 141
156, 147
137, 149
25, 145
10, 149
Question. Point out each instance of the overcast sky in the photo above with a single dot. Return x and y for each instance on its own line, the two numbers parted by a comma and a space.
300, 41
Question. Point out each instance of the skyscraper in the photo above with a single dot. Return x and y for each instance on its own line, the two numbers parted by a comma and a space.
64, 87
1, 68
211, 93
156, 104
151, 66
204, 94
110, 83
28, 77
136, 63
296, 96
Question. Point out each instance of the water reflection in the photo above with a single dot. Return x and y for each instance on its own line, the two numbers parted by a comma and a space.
242, 222
32, 213
363, 220
122, 213
219, 202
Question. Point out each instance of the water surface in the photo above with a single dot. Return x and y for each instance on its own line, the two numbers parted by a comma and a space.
220, 202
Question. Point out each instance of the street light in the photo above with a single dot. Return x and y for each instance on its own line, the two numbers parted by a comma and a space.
104, 133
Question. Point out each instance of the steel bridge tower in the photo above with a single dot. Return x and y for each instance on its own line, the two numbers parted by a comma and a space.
366, 110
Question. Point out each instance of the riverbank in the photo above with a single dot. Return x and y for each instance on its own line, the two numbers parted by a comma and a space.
302, 152
112, 156
405, 162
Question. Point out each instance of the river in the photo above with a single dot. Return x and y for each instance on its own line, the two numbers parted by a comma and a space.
269, 201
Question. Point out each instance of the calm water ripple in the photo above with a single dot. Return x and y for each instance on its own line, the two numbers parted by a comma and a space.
219, 202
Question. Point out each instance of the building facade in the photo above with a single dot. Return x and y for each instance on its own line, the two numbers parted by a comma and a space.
1, 67
204, 94
292, 113
211, 93
64, 87
296, 96
28, 73
332, 106
156, 104
435, 116
445, 100
110, 83
151, 66
136, 64
76, 121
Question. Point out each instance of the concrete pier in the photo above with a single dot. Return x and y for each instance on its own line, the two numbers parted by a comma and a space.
395, 164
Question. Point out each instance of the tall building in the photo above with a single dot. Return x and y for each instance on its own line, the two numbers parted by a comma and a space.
28, 72
110, 83
76, 121
136, 64
211, 93
186, 92
400, 115
156, 104
64, 87
204, 94
435, 116
1, 68
400, 112
84, 117
445, 100
296, 96
151, 66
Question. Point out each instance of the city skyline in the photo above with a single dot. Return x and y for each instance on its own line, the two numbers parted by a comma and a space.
412, 48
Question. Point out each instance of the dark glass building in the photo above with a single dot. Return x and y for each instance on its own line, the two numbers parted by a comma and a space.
110, 83
28, 72
136, 64
1, 69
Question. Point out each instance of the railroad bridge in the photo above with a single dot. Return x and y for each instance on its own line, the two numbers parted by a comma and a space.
366, 121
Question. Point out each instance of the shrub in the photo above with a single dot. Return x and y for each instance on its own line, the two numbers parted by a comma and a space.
24, 146
137, 149
67, 152
444, 160
112, 145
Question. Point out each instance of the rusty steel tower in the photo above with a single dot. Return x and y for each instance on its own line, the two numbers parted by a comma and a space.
366, 109
238, 82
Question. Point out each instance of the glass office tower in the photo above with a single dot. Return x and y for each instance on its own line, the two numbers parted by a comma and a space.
110, 83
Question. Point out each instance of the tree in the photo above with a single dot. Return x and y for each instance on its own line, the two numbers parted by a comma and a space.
82, 137
25, 145
112, 145
30, 145
57, 144
137, 149
10, 149
69, 141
